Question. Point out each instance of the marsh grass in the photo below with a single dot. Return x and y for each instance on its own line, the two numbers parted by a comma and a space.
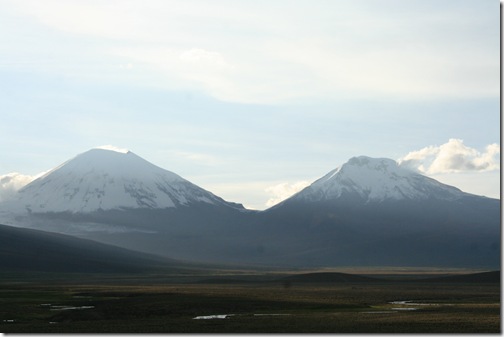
300, 308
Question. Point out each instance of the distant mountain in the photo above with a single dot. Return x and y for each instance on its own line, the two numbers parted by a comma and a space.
99, 180
371, 211
368, 212
121, 199
374, 180
28, 250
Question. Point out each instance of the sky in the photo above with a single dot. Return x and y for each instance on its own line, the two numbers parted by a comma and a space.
253, 100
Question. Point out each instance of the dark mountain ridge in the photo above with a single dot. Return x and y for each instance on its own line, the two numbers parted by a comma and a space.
28, 250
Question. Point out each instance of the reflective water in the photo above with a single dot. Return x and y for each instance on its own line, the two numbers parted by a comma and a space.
64, 307
214, 316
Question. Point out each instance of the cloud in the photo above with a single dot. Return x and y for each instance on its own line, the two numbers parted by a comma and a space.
10, 183
282, 52
113, 148
283, 191
84, 18
128, 66
208, 70
452, 157
202, 56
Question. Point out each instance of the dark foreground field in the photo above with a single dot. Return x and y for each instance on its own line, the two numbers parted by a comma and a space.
135, 306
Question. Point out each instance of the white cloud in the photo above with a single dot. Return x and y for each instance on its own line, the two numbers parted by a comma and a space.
128, 66
189, 69
113, 148
252, 53
10, 183
209, 71
280, 192
84, 18
202, 56
453, 157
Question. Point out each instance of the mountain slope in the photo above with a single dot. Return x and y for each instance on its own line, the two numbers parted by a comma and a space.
31, 250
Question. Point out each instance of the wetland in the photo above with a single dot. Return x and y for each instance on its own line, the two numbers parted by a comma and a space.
124, 304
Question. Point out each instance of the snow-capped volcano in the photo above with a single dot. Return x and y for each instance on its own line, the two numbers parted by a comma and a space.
104, 179
372, 211
376, 179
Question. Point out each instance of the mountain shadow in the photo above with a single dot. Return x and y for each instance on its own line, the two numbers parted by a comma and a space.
28, 250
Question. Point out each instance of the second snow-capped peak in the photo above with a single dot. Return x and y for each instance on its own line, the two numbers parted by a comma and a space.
376, 179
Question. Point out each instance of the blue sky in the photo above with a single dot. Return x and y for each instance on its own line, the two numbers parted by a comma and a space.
253, 100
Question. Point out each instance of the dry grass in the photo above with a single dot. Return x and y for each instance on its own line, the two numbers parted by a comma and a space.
304, 308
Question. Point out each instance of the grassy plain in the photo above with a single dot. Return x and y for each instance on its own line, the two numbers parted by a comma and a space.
129, 305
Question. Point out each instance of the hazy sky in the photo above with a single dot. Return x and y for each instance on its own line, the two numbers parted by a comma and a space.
253, 100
